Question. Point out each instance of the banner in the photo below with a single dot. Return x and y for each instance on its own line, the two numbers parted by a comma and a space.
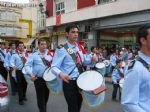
58, 20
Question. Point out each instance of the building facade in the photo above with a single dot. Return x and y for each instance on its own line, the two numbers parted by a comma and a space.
101, 22
17, 22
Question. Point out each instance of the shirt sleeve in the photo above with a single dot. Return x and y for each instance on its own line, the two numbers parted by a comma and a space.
12, 60
130, 93
29, 64
57, 61
6, 61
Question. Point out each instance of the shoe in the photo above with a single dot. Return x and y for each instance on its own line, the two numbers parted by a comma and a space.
25, 99
21, 103
114, 100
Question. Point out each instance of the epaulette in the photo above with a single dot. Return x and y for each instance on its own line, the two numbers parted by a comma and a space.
60, 46
131, 64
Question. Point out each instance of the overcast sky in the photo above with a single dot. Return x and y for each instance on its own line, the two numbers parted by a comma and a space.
16, 1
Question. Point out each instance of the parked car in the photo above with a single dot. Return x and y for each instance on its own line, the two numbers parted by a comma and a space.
4, 96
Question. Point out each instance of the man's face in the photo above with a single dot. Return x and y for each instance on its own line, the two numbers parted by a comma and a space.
146, 42
21, 47
13, 46
42, 46
72, 34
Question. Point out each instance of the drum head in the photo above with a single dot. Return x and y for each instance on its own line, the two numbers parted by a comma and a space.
100, 65
121, 82
90, 80
48, 75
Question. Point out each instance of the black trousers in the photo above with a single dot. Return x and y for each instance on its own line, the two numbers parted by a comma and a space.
3, 71
42, 94
115, 90
21, 84
13, 83
72, 96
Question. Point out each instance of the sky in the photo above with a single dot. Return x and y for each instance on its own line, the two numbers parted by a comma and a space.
16, 1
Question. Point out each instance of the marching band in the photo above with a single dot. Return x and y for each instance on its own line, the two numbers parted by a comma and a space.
78, 73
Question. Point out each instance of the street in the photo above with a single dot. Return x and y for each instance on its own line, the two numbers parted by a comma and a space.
57, 103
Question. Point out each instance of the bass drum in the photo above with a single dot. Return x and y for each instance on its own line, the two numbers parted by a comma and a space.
93, 88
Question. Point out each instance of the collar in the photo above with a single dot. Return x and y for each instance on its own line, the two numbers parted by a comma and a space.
144, 57
71, 46
46, 52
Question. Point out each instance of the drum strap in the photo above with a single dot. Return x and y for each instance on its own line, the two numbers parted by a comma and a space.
73, 55
145, 64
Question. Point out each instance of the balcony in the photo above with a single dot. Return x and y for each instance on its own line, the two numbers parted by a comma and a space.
101, 10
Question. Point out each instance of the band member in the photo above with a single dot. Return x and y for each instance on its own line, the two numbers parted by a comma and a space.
11, 51
17, 62
3, 52
65, 64
136, 89
93, 53
117, 74
39, 61
100, 55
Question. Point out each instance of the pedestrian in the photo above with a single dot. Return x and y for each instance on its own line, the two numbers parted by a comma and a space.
136, 89
67, 64
117, 75
39, 61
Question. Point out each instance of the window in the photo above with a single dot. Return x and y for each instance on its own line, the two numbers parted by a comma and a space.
105, 1
60, 8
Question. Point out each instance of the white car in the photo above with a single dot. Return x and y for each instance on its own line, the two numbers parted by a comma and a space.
4, 96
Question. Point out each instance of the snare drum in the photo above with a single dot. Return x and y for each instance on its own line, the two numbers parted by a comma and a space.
108, 66
53, 83
27, 76
93, 88
101, 68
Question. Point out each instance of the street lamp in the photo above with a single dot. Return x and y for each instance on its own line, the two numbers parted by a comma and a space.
42, 10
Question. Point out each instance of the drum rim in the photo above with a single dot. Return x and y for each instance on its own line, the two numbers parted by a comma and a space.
44, 74
98, 63
94, 71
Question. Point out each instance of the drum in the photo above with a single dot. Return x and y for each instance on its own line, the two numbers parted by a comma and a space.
93, 88
53, 83
108, 66
27, 76
121, 82
101, 68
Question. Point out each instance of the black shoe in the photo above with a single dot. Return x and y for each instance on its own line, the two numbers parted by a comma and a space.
21, 103
114, 100
24, 99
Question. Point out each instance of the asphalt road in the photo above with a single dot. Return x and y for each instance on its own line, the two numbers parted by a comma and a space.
57, 103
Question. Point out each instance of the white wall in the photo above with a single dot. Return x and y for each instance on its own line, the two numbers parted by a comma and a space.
104, 10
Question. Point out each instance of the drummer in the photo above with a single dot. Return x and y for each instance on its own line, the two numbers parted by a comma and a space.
64, 65
93, 53
117, 74
39, 61
17, 62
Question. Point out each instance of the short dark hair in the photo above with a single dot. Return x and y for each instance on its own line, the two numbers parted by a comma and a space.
142, 33
118, 61
20, 43
41, 40
92, 48
69, 27
11, 43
